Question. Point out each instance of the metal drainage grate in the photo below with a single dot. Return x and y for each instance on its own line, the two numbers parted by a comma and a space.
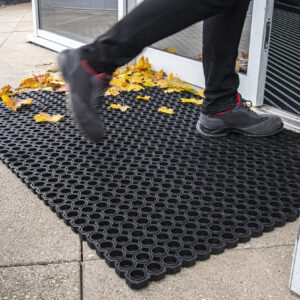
283, 72
154, 196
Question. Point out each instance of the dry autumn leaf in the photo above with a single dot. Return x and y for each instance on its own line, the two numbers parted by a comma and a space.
245, 55
41, 81
166, 110
44, 64
134, 87
63, 89
138, 76
112, 91
44, 117
237, 66
143, 98
52, 69
47, 89
15, 103
200, 93
123, 108
5, 90
191, 100
172, 50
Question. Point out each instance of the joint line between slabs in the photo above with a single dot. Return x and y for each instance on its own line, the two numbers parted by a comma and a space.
81, 271
262, 247
39, 264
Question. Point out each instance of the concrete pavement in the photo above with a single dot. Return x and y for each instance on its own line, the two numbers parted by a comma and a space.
41, 258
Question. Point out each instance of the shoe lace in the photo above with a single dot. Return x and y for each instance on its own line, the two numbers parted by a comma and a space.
247, 103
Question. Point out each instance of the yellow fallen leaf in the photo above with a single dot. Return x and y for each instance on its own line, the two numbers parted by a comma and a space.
200, 93
44, 117
143, 98
134, 87
17, 92
172, 50
191, 100
166, 110
5, 90
119, 82
15, 103
44, 64
160, 74
41, 81
162, 83
237, 66
143, 65
47, 89
63, 89
137, 78
112, 91
245, 55
148, 83
123, 108
200, 56
173, 90
30, 83
53, 69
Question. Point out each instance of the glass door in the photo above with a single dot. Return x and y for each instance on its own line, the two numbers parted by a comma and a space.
61, 24
181, 53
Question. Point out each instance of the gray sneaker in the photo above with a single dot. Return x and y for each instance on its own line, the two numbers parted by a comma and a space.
240, 119
86, 89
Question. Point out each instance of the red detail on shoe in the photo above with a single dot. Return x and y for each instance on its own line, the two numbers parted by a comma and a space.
238, 97
223, 112
89, 69
100, 77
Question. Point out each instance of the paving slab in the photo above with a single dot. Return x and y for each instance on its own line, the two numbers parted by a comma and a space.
88, 253
258, 274
3, 37
280, 236
7, 26
30, 231
14, 13
24, 26
28, 15
20, 58
54, 281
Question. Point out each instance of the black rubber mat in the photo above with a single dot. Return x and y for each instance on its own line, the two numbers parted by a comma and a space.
154, 196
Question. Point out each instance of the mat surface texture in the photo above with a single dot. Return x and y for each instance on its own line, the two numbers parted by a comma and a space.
154, 196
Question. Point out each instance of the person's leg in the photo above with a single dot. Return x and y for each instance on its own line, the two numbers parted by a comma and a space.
88, 70
223, 110
221, 38
149, 22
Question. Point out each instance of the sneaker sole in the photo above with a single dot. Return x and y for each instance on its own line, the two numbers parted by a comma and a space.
62, 62
224, 132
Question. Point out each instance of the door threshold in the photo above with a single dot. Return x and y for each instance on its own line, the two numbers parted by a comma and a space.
291, 121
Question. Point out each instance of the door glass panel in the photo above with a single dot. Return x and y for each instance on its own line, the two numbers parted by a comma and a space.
76, 19
188, 42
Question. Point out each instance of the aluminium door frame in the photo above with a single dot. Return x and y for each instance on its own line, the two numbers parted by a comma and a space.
55, 41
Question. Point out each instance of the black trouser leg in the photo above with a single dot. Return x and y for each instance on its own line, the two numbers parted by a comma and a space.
221, 38
149, 22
